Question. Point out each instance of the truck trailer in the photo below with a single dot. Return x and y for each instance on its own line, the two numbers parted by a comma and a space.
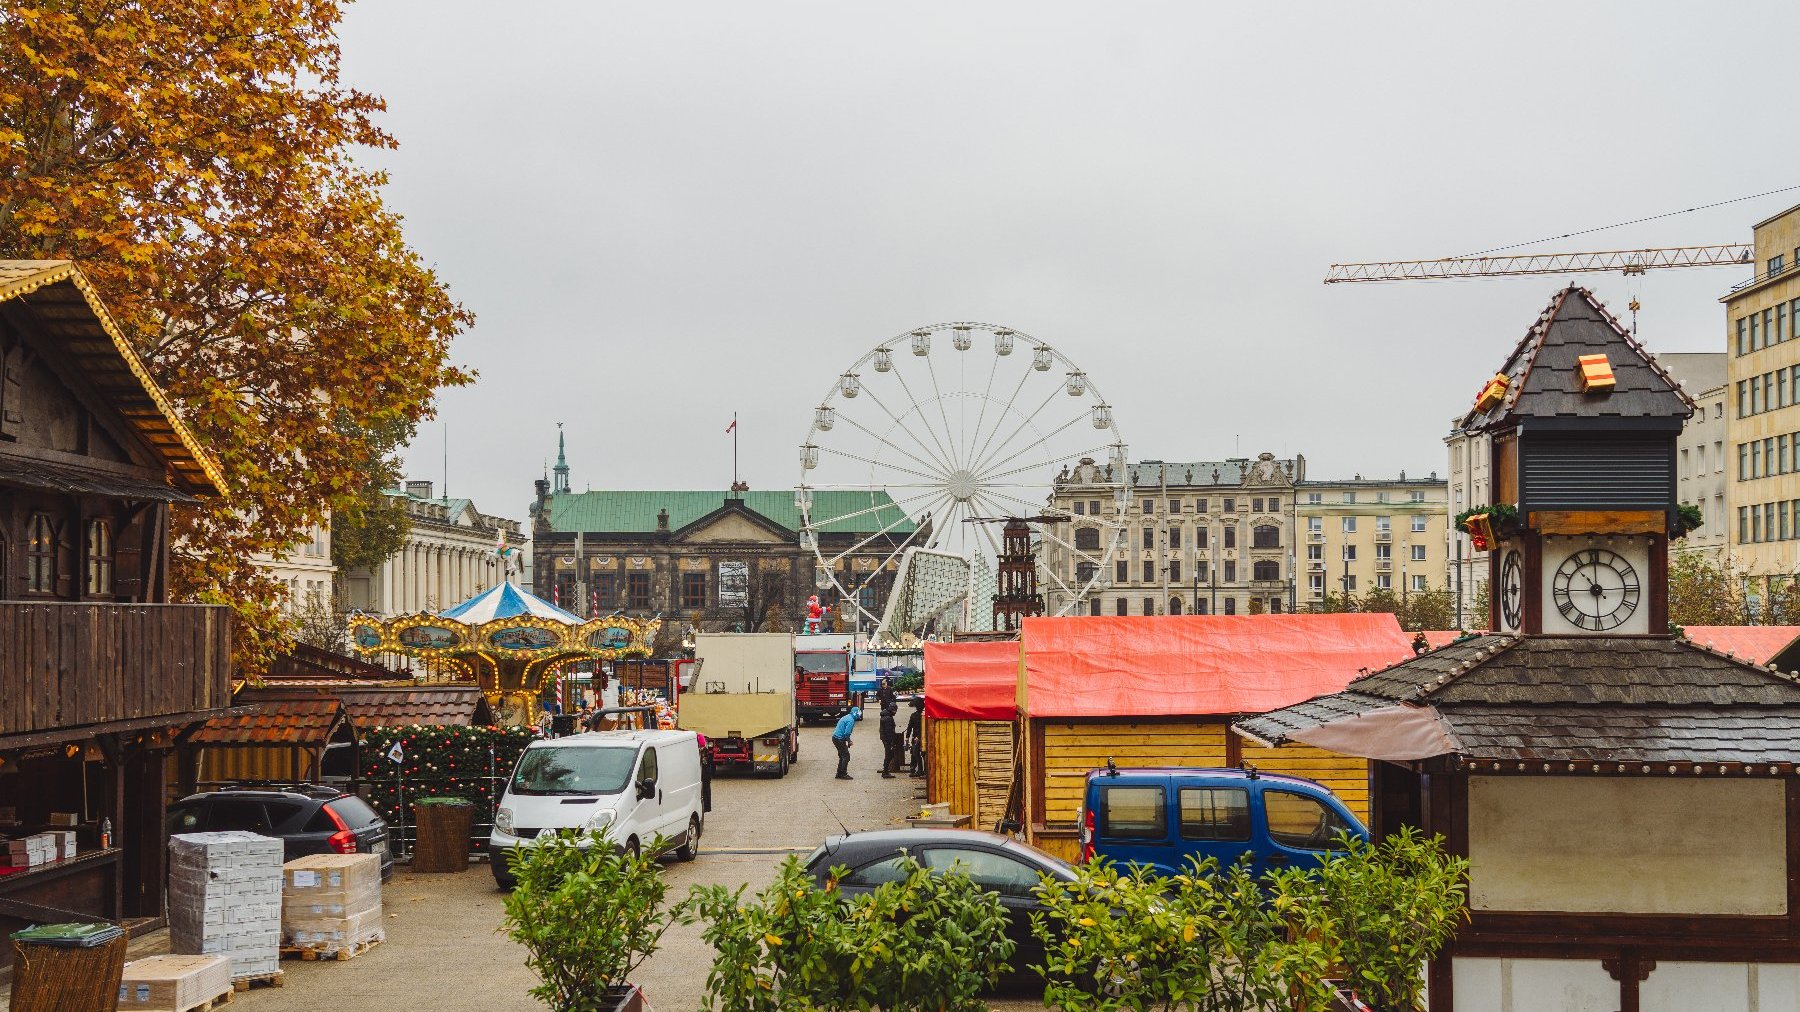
742, 699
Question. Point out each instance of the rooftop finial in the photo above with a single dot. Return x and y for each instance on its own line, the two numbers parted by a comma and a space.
562, 464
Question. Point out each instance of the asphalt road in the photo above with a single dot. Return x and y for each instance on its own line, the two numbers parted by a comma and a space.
444, 949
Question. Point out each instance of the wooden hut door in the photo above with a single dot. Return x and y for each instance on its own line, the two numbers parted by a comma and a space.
993, 771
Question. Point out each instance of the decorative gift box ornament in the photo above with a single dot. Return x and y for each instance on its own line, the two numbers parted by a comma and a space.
1493, 393
1596, 374
1481, 531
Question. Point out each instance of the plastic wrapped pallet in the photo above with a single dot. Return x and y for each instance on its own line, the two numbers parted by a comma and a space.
331, 903
171, 983
225, 900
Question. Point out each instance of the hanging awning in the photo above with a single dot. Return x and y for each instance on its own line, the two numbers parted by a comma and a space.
1393, 733
972, 681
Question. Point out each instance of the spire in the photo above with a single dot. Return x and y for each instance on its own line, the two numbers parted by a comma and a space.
562, 464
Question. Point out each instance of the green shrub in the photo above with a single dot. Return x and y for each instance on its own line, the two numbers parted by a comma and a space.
927, 941
587, 916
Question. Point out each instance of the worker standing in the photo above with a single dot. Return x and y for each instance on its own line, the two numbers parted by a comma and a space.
890, 739
840, 736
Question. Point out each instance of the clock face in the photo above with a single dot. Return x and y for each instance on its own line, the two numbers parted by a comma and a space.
1511, 580
1595, 589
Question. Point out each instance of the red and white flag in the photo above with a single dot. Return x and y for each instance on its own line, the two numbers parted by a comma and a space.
732, 427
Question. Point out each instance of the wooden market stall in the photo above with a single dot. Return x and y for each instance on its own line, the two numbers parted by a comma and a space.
971, 707
1163, 691
101, 677
295, 736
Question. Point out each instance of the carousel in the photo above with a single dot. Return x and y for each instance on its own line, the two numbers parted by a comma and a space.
512, 644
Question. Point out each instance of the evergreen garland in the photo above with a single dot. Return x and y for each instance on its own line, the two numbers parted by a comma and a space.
440, 761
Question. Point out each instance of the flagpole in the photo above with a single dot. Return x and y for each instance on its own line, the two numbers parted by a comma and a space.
734, 455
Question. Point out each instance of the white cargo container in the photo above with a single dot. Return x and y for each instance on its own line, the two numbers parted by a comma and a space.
742, 699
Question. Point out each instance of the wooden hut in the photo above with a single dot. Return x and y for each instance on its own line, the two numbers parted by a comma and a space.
294, 736
971, 691
1629, 801
101, 677
1163, 691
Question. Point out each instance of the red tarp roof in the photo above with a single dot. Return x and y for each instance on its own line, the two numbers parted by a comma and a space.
1192, 665
972, 681
1757, 644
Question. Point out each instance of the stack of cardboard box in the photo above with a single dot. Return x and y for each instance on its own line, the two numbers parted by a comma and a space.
172, 983
225, 900
31, 851
331, 903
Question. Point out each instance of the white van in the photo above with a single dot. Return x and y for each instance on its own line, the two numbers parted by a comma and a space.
623, 787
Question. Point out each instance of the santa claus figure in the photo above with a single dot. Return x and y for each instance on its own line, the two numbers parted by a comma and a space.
815, 615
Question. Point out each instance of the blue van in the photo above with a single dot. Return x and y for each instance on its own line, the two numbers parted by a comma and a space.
1163, 816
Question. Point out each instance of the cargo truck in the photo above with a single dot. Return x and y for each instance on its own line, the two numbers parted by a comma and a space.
742, 699
823, 678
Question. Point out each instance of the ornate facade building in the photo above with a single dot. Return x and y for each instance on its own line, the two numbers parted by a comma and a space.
1200, 537
715, 560
448, 557
1362, 534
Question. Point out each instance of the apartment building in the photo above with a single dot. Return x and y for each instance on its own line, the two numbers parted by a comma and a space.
1362, 534
1471, 455
1763, 404
1700, 463
1200, 537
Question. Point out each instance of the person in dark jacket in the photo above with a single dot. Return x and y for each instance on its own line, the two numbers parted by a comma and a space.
840, 737
890, 740
915, 736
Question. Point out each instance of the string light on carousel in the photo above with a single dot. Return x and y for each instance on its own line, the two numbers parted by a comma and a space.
511, 643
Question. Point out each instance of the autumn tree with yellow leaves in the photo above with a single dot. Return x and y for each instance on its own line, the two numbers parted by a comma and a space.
197, 159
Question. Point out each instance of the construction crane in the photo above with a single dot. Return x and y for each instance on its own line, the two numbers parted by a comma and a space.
1629, 261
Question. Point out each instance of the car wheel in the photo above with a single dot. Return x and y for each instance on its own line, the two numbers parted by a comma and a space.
631, 847
502, 880
691, 849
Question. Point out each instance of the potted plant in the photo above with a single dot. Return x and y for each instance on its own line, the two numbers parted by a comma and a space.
588, 916
1688, 518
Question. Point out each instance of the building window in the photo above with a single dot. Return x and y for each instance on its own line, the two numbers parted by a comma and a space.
1418, 553
1743, 524
1149, 571
1230, 506
40, 555
1316, 583
1230, 571
1149, 506
1080, 508
1174, 605
1742, 393
1315, 498
1200, 607
1349, 584
1743, 462
1265, 570
1200, 571
1149, 537
1349, 525
99, 558
1094, 606
1315, 525
1149, 605
1315, 553
1753, 344
1384, 582
1777, 263
1384, 552
693, 590
1274, 605
1350, 497
1266, 536
1085, 572
1119, 607
1174, 570
1418, 525
1231, 606
1093, 507
1199, 505
1741, 346
637, 590
1175, 533
1349, 553
1199, 537
1418, 495
1087, 539
1121, 571
1174, 505
1381, 497
1384, 524
1230, 535
1256, 506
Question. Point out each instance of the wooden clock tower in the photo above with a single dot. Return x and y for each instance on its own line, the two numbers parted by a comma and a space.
1584, 424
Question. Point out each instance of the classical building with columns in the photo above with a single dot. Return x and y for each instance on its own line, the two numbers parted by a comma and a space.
448, 557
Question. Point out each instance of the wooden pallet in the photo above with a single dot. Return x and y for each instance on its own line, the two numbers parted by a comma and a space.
321, 952
211, 1003
276, 979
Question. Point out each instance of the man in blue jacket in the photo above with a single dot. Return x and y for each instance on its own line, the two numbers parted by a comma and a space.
840, 736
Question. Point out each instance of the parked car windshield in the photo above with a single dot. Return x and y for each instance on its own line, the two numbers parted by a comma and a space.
573, 770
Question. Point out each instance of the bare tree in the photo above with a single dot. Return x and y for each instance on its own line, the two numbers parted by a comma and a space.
763, 599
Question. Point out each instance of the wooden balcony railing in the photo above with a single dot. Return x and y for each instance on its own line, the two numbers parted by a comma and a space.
70, 665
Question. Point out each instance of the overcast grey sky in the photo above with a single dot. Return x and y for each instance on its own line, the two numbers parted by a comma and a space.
662, 213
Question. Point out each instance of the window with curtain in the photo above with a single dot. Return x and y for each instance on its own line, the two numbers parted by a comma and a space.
99, 558
40, 555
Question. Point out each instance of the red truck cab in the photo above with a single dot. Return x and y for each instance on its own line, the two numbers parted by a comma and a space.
821, 684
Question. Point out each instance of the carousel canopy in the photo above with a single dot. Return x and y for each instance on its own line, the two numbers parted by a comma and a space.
507, 601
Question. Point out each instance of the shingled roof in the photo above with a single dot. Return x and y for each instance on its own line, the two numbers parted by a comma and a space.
1544, 377
1600, 699
304, 719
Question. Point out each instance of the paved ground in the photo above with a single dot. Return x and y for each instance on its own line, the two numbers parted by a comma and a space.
444, 949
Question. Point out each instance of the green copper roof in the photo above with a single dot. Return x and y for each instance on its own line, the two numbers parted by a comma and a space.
635, 511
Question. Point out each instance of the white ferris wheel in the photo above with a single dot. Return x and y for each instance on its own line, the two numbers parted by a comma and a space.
925, 441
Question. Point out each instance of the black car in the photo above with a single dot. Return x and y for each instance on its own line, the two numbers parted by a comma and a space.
996, 863
307, 818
